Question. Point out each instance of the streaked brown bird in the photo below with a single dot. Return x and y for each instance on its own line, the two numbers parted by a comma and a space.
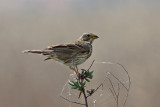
70, 54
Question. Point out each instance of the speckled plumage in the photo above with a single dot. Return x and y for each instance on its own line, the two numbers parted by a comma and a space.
69, 54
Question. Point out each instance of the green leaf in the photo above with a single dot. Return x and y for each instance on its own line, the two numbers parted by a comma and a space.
88, 91
87, 73
74, 87
87, 80
91, 72
80, 88
83, 84
90, 77
76, 83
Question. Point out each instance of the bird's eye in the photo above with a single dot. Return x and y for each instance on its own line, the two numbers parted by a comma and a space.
88, 35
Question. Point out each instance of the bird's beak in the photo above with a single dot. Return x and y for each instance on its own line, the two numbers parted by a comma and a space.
95, 37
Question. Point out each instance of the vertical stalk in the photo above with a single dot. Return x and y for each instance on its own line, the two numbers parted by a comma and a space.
85, 97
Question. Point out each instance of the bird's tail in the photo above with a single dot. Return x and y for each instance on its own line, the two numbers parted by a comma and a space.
33, 51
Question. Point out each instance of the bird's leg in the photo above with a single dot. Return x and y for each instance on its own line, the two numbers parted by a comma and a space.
76, 68
73, 69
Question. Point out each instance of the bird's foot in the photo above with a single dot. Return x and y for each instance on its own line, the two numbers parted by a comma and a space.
76, 71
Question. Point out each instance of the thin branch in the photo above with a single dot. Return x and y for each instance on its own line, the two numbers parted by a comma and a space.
115, 95
118, 95
119, 81
118, 90
129, 83
71, 101
123, 84
85, 97
112, 94
112, 86
127, 89
91, 65
101, 85
129, 79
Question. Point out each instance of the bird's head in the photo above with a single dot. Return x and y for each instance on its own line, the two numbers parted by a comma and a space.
88, 37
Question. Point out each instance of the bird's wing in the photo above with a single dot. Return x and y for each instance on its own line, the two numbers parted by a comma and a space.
66, 48
65, 52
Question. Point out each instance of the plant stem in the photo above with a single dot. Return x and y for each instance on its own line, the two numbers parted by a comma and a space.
85, 97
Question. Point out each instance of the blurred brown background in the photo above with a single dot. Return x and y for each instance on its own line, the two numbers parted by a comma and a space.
129, 33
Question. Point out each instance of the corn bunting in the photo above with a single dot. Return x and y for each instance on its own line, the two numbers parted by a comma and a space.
70, 54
